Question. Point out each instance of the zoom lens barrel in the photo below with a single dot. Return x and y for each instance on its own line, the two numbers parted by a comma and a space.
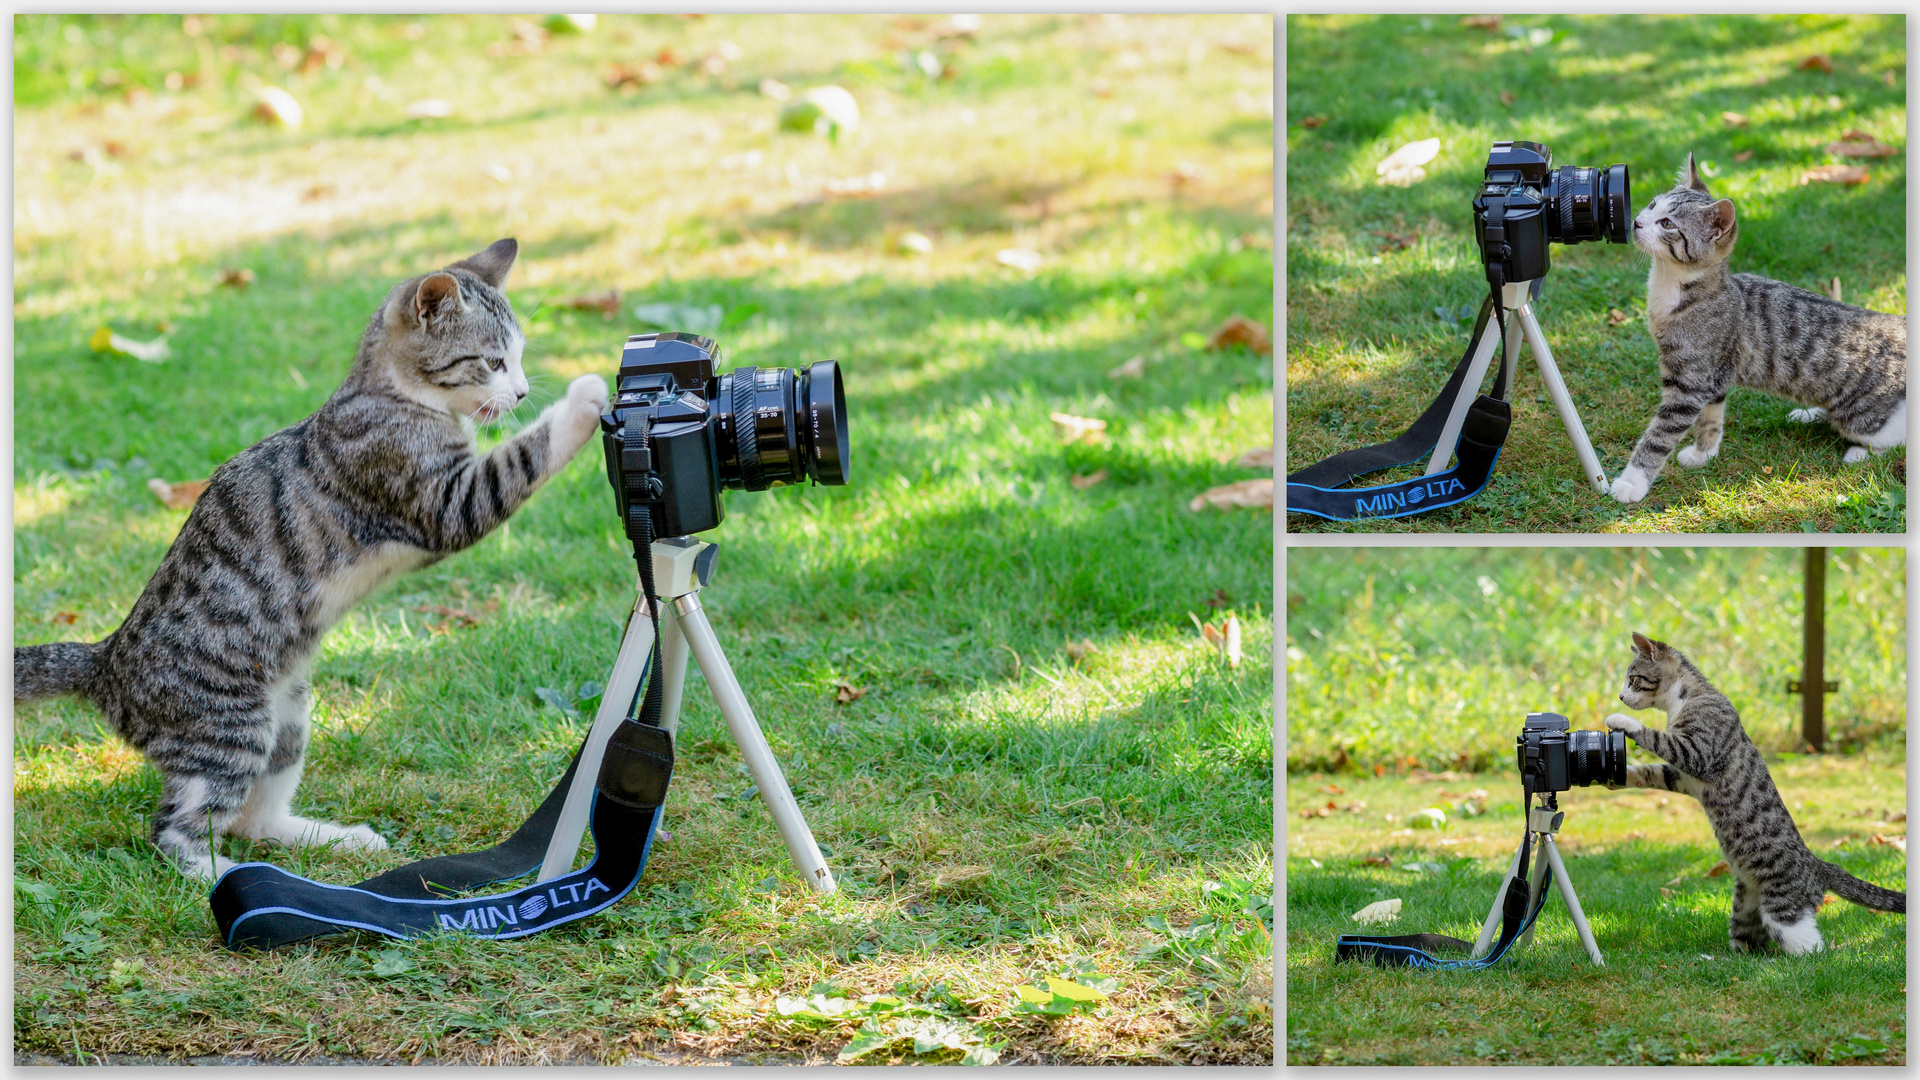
1589, 204
777, 426
1596, 757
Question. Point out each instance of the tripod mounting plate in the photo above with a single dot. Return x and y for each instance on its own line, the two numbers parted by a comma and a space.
682, 565
1542, 820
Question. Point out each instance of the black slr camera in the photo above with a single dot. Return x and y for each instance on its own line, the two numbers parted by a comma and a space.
676, 435
1554, 759
1525, 202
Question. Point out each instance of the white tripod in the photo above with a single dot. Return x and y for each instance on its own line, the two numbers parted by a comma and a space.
681, 566
1517, 300
1543, 822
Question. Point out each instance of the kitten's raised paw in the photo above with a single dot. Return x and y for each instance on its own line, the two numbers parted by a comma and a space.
576, 418
1807, 416
1632, 486
1855, 455
1623, 722
1690, 457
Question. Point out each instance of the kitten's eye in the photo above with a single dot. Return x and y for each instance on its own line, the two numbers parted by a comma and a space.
497, 363
1666, 223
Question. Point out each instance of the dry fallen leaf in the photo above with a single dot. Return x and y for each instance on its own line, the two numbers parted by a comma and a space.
1185, 174
606, 303
276, 106
1834, 174
622, 76
1743, 156
854, 187
1259, 457
1817, 62
1506, 97
1079, 650
177, 496
236, 277
1332, 789
846, 693
1616, 317
1311, 122
65, 618
1220, 599
1897, 815
1240, 330
1253, 494
1899, 842
1402, 168
1833, 288
1071, 428
1226, 638
1132, 369
1664, 893
1719, 869
1393, 241
1082, 483
956, 875
775, 89
1378, 860
1889, 77
1733, 119
1860, 144
1484, 22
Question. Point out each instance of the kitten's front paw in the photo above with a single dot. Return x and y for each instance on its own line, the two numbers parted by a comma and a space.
1692, 457
578, 416
1855, 455
1807, 416
1632, 485
361, 838
1623, 722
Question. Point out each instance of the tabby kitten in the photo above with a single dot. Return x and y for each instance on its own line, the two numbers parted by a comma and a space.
1718, 330
1778, 883
208, 674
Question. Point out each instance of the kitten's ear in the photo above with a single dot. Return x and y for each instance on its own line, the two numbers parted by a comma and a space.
1690, 176
1643, 646
491, 265
1722, 218
437, 296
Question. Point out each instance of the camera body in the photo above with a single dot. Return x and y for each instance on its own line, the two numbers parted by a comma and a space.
1552, 758
1524, 203
676, 435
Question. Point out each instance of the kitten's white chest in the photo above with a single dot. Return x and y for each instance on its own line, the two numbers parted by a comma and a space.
1664, 290
375, 568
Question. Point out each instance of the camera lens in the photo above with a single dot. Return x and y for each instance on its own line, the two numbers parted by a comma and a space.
1596, 757
777, 425
1589, 204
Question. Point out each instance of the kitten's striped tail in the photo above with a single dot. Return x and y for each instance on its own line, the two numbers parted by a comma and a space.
65, 667
1860, 892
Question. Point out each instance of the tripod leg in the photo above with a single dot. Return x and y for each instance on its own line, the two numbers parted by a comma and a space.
1469, 389
1536, 881
1562, 401
753, 744
1565, 885
673, 669
1492, 925
622, 684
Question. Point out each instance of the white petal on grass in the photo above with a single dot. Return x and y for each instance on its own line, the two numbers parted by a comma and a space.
915, 243
1402, 168
152, 352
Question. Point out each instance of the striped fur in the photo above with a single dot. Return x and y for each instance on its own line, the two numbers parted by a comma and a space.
1717, 330
1778, 883
207, 676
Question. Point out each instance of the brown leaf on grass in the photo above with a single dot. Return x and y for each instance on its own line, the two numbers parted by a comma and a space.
179, 495
1071, 428
1079, 650
1897, 815
1507, 98
65, 618
1393, 241
1743, 156
317, 192
621, 76
1860, 144
1817, 62
1332, 789
845, 693
1101, 88
606, 303
1226, 638
236, 277
1719, 869
1665, 893
1889, 77
1252, 494
1219, 599
1833, 174
1378, 860
1733, 119
1258, 457
1616, 317
1240, 330
1899, 842
1311, 122
1132, 369
1185, 174
1833, 288
1082, 483
957, 875
1483, 22
451, 617
857, 187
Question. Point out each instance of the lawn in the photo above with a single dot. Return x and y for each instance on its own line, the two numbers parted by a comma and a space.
998, 810
1368, 266
1408, 674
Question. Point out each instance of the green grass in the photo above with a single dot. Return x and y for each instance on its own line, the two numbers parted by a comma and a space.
1671, 992
1367, 265
1402, 657
1408, 673
1101, 796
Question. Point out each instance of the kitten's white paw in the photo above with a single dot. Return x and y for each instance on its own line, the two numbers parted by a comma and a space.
1692, 457
1855, 455
1632, 485
361, 838
1807, 416
203, 869
578, 416
1623, 722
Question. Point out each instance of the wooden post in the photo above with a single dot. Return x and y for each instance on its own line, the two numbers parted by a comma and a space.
1813, 679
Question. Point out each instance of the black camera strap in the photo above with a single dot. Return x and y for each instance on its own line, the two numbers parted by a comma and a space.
1320, 490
